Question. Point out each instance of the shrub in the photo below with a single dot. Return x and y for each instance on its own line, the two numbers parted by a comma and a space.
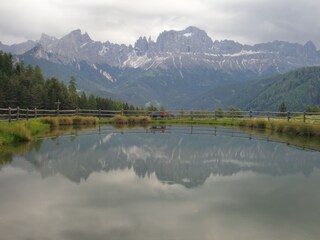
84, 120
307, 130
65, 121
119, 119
292, 129
52, 121
243, 123
132, 119
261, 124
144, 120
280, 126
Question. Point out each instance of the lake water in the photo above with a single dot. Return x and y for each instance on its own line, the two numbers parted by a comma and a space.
163, 183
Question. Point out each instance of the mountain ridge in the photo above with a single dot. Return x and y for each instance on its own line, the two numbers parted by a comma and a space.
172, 70
179, 44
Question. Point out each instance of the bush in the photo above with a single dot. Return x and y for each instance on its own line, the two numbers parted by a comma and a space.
84, 120
144, 120
243, 123
291, 129
132, 120
219, 113
119, 119
65, 121
52, 121
261, 124
280, 126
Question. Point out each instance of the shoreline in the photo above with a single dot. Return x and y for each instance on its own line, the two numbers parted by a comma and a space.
26, 131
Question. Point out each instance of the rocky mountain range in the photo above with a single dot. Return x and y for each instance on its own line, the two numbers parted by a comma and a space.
172, 70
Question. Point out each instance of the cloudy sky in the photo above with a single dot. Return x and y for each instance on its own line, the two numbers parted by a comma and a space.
123, 21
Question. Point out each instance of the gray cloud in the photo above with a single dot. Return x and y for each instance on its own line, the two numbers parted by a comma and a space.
123, 21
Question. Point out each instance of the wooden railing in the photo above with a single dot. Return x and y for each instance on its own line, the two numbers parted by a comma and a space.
12, 114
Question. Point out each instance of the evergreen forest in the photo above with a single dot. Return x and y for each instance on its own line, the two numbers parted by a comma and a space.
26, 87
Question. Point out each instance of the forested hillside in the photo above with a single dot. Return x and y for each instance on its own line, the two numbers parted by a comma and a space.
297, 89
25, 86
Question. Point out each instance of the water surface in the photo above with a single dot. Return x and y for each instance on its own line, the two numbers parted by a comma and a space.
162, 183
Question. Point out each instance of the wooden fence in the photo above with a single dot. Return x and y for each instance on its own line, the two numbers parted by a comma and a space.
12, 114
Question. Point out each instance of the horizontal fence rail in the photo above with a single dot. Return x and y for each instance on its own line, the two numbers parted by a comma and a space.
13, 114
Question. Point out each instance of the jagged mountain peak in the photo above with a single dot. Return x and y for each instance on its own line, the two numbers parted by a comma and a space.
46, 40
192, 29
191, 39
141, 45
176, 67
76, 35
46, 36
310, 45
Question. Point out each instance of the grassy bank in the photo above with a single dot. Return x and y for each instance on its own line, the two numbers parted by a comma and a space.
284, 127
69, 121
293, 128
201, 121
119, 119
24, 131
21, 131
131, 120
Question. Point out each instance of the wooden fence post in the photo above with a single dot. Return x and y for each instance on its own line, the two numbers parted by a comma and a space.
9, 114
191, 113
99, 116
288, 116
268, 114
250, 114
58, 107
304, 117
35, 113
27, 114
18, 113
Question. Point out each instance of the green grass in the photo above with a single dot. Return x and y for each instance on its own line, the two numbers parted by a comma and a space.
36, 127
292, 128
24, 131
14, 132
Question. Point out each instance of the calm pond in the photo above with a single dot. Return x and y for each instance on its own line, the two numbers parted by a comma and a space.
164, 183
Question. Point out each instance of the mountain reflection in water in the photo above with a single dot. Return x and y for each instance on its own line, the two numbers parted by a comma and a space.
176, 155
